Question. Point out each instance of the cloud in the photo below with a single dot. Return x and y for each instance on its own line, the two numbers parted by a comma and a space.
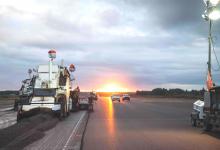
152, 43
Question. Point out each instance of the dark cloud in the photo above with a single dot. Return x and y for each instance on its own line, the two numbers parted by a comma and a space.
154, 42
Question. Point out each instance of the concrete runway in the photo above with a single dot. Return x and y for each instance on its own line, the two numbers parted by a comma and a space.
146, 123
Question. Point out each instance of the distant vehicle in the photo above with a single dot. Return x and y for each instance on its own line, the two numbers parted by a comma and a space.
116, 98
126, 97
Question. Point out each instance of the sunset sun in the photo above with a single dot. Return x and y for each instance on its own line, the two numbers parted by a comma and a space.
112, 87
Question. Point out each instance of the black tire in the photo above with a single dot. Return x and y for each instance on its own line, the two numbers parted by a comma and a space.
193, 122
19, 117
90, 107
80, 107
207, 126
68, 113
63, 110
19, 113
15, 106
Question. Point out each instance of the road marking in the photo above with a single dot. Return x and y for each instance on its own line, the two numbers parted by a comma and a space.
74, 130
6, 109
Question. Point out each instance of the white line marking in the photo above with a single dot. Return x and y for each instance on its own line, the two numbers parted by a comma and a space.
6, 109
73, 132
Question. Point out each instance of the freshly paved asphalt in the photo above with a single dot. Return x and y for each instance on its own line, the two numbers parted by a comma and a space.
151, 124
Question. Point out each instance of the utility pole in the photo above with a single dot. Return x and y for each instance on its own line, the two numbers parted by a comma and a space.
210, 48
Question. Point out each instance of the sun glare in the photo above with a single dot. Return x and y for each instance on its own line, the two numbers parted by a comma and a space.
112, 87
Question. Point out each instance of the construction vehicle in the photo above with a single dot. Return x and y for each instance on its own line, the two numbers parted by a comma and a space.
209, 111
51, 90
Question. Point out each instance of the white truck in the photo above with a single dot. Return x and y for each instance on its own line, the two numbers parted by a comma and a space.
51, 91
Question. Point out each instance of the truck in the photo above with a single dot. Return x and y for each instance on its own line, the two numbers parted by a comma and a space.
51, 90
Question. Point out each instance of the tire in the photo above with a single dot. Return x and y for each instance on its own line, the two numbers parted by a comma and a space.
68, 113
19, 115
193, 122
90, 107
63, 110
207, 126
80, 107
15, 105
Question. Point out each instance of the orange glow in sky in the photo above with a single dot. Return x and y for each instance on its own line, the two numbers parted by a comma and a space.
112, 87
115, 81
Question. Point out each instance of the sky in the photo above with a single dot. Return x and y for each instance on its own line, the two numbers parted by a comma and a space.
137, 44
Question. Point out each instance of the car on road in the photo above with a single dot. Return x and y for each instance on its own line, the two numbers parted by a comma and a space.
126, 97
116, 98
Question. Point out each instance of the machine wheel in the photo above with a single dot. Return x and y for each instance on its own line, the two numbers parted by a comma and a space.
63, 110
80, 106
75, 107
91, 108
193, 122
19, 114
207, 125
19, 117
15, 105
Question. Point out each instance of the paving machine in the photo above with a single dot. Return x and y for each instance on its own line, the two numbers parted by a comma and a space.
51, 90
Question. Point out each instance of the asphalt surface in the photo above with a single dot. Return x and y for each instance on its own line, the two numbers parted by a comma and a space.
42, 131
64, 136
152, 124
7, 117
